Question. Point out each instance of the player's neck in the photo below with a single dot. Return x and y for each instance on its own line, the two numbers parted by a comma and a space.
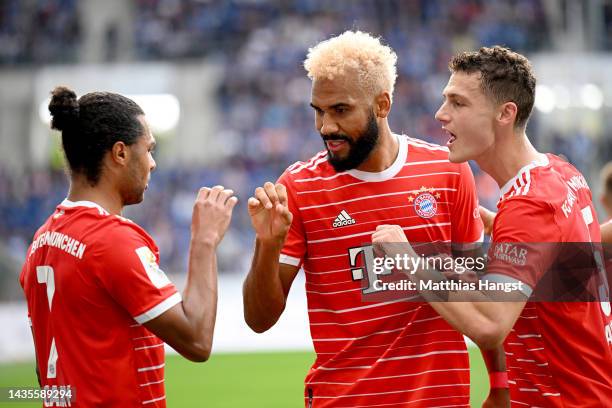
508, 156
384, 154
101, 194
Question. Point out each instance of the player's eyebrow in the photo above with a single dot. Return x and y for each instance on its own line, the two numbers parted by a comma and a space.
334, 106
451, 95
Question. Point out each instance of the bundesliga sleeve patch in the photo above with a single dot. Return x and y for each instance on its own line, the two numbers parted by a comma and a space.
156, 275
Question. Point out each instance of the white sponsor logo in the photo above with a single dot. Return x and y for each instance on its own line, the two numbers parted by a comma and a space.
573, 185
343, 219
510, 253
605, 307
608, 330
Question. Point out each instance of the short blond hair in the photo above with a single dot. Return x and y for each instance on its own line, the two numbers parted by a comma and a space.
373, 61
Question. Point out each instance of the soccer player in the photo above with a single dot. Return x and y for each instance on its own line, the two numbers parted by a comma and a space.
488, 218
100, 307
558, 354
605, 177
320, 216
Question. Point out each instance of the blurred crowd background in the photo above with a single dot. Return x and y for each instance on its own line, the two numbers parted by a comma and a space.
262, 119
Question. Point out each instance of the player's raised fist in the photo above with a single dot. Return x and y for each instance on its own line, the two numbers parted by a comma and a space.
212, 213
269, 211
390, 240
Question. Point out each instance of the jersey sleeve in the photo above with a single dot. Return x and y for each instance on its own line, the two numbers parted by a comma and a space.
294, 249
23, 272
519, 248
131, 274
466, 225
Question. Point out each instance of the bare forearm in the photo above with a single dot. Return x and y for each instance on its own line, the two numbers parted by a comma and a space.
474, 319
499, 394
606, 233
495, 359
189, 326
480, 315
200, 293
264, 297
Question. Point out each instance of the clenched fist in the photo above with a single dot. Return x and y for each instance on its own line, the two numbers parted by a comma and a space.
390, 240
212, 212
269, 211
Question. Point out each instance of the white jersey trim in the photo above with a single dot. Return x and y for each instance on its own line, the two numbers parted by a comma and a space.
392, 392
394, 404
163, 397
371, 196
90, 204
364, 182
152, 383
152, 368
352, 309
426, 145
159, 308
314, 161
439, 224
520, 183
389, 172
289, 260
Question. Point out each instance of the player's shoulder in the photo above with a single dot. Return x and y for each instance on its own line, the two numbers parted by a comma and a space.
431, 156
418, 148
517, 207
525, 218
317, 166
97, 227
541, 183
119, 229
535, 190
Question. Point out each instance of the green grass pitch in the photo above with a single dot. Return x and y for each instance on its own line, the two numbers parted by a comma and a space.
270, 380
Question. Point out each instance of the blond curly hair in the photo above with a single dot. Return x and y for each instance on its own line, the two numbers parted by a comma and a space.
358, 52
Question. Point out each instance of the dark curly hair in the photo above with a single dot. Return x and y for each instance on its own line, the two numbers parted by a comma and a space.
91, 125
506, 76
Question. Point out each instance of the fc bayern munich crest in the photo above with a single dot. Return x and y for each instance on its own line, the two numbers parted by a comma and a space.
425, 203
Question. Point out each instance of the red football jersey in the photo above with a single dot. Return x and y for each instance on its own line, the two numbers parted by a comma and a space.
91, 279
386, 353
558, 353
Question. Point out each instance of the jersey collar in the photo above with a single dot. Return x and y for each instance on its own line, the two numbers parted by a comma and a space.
543, 161
89, 204
389, 172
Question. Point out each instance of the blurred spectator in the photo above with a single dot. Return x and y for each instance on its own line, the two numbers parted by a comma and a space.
38, 31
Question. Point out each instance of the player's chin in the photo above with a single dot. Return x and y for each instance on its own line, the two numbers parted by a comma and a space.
136, 198
339, 154
457, 155
453, 158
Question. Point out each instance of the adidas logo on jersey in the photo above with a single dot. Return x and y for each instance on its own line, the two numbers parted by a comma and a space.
343, 219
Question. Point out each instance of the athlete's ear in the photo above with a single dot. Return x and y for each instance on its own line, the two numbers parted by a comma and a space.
506, 115
120, 153
382, 104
